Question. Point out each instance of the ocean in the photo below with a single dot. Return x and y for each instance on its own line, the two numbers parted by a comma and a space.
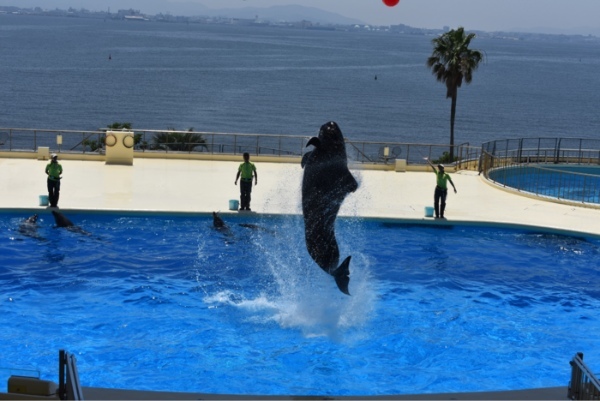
83, 74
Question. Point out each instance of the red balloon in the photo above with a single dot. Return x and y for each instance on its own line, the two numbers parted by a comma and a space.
391, 3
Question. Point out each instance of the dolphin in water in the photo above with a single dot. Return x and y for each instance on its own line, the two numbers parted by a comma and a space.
326, 183
29, 224
29, 227
256, 227
218, 222
63, 221
220, 225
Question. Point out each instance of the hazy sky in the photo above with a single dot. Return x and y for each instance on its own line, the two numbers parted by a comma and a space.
566, 16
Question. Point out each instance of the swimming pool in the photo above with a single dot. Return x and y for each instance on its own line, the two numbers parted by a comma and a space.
170, 303
580, 183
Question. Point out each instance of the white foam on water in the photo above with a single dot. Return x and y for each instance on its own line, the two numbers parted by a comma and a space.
306, 298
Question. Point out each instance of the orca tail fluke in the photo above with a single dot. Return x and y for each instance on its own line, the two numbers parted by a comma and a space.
342, 276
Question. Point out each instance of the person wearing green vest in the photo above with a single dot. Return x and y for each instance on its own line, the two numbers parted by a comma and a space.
441, 189
247, 170
53, 171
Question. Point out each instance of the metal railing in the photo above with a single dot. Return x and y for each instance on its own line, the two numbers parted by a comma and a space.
167, 141
465, 156
583, 385
508, 152
218, 143
199, 142
537, 166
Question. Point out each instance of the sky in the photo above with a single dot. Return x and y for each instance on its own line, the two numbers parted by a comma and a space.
550, 16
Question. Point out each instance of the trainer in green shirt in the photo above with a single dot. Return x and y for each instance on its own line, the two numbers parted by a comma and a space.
247, 170
441, 189
53, 171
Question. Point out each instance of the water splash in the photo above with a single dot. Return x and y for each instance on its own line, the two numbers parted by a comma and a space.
296, 293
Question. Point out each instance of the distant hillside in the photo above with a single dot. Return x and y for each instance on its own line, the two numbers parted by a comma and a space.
289, 13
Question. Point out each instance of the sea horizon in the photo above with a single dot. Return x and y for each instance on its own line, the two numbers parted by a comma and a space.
67, 73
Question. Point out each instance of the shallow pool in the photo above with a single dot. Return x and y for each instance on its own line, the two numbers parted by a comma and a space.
573, 182
170, 303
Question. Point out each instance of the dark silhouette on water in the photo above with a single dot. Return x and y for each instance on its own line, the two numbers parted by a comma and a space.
63, 221
29, 227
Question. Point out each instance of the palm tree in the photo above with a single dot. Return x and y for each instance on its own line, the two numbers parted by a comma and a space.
452, 62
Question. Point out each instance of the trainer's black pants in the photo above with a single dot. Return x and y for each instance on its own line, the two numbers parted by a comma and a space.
245, 191
439, 201
53, 192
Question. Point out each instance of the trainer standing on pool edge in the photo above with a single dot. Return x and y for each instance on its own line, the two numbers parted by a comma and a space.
247, 170
441, 189
53, 171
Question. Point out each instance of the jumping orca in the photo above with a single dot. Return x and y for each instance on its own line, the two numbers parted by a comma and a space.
326, 183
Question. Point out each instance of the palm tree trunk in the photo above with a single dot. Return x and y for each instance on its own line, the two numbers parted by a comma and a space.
452, 118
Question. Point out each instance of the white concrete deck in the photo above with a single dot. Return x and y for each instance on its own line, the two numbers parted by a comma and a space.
198, 186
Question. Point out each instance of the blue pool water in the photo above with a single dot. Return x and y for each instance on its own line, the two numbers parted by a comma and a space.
169, 303
579, 183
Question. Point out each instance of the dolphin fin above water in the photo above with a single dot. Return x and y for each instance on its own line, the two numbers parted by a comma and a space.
61, 220
342, 275
218, 222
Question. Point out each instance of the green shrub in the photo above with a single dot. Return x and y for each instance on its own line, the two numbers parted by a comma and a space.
446, 158
179, 141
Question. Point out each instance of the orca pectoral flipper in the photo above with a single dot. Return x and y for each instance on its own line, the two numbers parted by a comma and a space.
342, 275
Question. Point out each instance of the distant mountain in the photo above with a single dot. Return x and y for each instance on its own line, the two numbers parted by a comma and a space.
555, 31
290, 13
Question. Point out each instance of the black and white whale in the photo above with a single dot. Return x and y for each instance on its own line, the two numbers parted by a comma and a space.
326, 183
